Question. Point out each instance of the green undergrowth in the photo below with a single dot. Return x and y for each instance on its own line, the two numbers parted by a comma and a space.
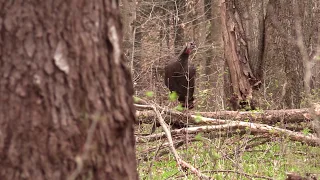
236, 156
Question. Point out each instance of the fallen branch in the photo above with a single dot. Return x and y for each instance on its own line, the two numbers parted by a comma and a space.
240, 173
180, 161
266, 116
253, 127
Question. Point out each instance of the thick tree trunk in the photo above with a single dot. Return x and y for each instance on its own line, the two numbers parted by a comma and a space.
282, 54
252, 17
66, 107
236, 53
292, 30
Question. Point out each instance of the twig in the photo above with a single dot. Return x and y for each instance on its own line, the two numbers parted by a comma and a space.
173, 150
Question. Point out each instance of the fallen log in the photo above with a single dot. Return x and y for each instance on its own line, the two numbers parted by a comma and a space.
222, 124
266, 116
293, 119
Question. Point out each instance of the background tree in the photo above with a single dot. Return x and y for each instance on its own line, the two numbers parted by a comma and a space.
291, 36
66, 107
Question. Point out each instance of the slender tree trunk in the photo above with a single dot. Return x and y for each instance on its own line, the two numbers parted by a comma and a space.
136, 58
215, 62
128, 17
179, 13
66, 107
199, 27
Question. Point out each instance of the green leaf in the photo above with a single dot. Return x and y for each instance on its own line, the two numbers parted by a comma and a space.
149, 93
306, 131
179, 108
136, 99
198, 118
173, 96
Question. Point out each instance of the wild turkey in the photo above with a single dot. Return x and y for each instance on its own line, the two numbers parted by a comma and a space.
180, 76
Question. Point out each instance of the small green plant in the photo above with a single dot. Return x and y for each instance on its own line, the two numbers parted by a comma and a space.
313, 97
198, 118
136, 99
173, 96
149, 93
179, 108
198, 137
306, 131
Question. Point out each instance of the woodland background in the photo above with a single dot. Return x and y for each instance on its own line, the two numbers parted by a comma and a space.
277, 42
154, 31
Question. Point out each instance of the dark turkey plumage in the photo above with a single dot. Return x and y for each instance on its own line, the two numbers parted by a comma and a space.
180, 76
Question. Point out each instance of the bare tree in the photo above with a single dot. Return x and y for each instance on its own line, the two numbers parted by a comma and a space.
66, 107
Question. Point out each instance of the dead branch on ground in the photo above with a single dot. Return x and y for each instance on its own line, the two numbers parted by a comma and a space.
252, 127
180, 161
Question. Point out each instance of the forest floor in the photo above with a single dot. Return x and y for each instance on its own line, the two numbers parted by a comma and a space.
238, 156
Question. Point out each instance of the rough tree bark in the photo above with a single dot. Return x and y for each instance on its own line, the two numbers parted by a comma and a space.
66, 104
251, 14
236, 53
214, 62
281, 50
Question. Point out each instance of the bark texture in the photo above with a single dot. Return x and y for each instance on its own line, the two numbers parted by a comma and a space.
61, 70
251, 14
236, 52
291, 36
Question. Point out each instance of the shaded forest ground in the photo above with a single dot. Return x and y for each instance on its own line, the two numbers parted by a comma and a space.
236, 157
235, 152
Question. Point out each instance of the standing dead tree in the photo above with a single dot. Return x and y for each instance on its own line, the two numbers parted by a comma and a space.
237, 57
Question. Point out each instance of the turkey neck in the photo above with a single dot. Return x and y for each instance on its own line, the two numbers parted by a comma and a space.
183, 59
